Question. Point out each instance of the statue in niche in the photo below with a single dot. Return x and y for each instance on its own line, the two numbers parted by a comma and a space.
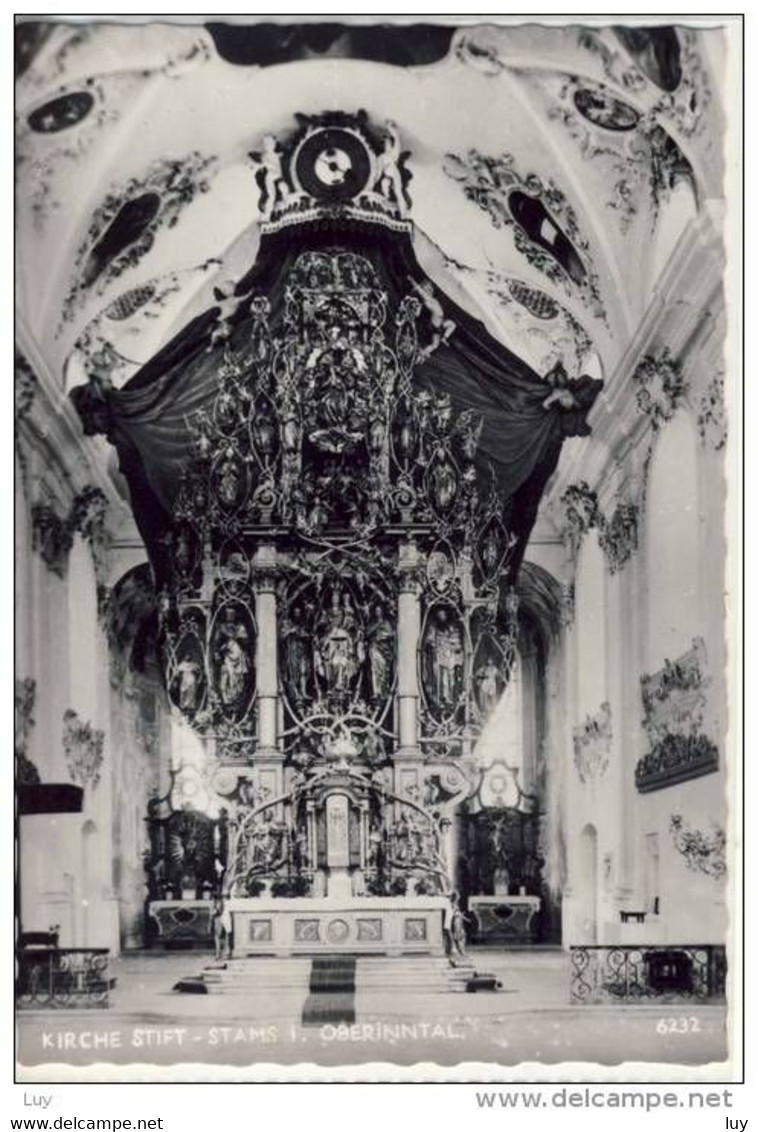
443, 484
184, 553
297, 654
381, 648
232, 643
187, 684
263, 431
444, 649
290, 430
229, 480
491, 550
488, 682
336, 370
339, 652
376, 433
268, 172
227, 413
405, 434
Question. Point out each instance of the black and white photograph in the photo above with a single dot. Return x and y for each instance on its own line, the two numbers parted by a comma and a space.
377, 548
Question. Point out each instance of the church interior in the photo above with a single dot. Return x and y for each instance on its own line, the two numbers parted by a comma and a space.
372, 453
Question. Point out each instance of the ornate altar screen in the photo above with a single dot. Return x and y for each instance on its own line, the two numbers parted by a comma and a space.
336, 471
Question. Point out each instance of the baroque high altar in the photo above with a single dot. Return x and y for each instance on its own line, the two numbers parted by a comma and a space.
336, 471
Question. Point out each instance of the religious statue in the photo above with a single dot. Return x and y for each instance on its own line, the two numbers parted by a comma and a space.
381, 638
339, 650
187, 682
290, 430
405, 437
444, 649
229, 479
264, 433
232, 643
296, 642
488, 681
268, 163
491, 550
444, 484
183, 551
336, 373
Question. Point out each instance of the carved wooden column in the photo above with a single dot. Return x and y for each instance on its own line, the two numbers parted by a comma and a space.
408, 630
268, 758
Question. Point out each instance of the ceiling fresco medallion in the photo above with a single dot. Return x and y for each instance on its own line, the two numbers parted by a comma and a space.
603, 110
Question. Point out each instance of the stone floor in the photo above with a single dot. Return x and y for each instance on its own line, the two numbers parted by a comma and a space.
530, 1019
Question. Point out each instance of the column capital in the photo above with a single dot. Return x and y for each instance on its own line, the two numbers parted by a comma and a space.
265, 568
265, 579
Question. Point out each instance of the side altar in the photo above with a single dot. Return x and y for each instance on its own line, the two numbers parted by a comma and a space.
336, 472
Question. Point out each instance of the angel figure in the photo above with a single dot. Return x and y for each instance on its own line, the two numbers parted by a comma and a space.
388, 180
442, 327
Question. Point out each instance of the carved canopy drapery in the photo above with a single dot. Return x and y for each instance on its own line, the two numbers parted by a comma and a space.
149, 420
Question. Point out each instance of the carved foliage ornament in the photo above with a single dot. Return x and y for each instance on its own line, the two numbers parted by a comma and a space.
83, 746
617, 534
703, 852
53, 534
25, 387
581, 511
26, 771
592, 744
711, 418
618, 537
660, 386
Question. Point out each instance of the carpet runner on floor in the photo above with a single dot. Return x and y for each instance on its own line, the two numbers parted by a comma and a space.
332, 991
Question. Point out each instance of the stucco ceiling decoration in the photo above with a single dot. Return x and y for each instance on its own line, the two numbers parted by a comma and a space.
137, 195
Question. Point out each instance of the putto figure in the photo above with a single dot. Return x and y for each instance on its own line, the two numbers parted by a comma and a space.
268, 172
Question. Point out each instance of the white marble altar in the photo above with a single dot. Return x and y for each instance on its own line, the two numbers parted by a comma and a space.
391, 925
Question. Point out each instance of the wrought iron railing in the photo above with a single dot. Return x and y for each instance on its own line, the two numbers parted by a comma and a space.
54, 977
690, 972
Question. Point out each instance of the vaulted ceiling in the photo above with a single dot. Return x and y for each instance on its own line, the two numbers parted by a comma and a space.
552, 171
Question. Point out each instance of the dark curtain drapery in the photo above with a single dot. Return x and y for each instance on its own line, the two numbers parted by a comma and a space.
148, 420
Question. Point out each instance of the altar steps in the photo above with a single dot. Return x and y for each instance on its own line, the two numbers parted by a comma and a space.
371, 974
